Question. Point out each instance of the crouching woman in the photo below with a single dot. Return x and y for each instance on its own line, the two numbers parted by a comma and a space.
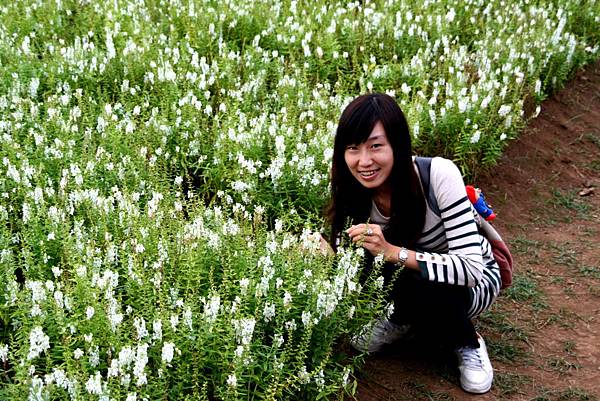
448, 274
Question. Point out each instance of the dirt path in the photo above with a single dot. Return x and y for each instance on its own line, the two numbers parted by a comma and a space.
544, 333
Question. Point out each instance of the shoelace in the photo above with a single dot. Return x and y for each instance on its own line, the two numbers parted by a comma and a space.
471, 357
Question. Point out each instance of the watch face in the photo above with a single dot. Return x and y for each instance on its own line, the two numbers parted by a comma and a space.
403, 255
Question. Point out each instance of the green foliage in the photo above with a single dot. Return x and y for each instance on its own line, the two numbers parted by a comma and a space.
163, 161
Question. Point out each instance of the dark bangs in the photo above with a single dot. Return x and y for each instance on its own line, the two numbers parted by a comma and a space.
356, 123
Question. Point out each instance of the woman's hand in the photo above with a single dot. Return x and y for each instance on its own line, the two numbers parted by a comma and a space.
370, 237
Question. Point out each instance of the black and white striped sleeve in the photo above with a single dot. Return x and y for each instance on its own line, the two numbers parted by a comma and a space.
463, 264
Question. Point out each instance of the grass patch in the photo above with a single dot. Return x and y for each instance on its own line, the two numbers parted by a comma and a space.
594, 165
507, 339
525, 289
571, 201
562, 365
507, 384
593, 138
499, 322
589, 231
564, 318
564, 254
594, 290
507, 352
590, 271
569, 348
570, 394
525, 246
422, 392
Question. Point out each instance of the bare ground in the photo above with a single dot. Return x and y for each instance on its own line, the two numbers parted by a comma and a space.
543, 334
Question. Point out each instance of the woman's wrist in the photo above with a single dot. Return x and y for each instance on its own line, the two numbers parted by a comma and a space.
391, 256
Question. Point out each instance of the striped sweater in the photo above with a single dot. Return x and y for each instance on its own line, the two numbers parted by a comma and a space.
450, 249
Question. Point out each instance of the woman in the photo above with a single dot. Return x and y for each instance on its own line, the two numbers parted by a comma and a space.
448, 272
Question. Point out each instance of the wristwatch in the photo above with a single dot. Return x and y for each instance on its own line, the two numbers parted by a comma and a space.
402, 257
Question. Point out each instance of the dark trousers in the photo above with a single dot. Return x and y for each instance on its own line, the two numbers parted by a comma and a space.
434, 311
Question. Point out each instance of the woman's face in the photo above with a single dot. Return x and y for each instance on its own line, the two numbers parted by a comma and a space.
371, 162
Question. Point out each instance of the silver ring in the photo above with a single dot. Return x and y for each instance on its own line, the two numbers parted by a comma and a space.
369, 231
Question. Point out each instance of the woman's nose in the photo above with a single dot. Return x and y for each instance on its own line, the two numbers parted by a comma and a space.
364, 158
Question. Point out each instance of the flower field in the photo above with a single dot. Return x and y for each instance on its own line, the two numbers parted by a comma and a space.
164, 167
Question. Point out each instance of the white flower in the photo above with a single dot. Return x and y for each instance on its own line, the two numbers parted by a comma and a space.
504, 110
211, 308
89, 312
140, 325
141, 359
36, 390
167, 352
78, 353
3, 352
94, 353
303, 375
187, 317
94, 384
306, 318
278, 340
174, 320
269, 311
232, 380
287, 299
157, 329
476, 136
320, 379
244, 328
405, 88
38, 342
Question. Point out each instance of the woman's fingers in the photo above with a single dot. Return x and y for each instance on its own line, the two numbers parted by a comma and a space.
370, 235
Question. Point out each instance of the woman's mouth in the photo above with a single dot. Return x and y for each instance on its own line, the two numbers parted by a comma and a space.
367, 174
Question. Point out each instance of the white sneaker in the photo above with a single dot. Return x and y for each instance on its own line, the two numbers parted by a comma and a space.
376, 334
476, 372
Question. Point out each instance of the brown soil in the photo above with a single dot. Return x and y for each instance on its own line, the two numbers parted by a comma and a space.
543, 334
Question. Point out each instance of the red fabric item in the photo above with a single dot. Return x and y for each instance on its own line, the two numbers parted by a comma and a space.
505, 261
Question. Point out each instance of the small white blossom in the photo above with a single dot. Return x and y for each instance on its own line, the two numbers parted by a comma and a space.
38, 342
504, 110
78, 353
3, 352
167, 352
232, 380
94, 384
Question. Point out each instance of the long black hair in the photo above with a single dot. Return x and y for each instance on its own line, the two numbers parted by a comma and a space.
350, 201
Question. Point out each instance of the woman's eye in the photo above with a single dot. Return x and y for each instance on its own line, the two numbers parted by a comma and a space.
351, 147
376, 145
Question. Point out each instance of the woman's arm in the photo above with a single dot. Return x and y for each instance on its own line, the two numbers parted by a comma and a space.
463, 262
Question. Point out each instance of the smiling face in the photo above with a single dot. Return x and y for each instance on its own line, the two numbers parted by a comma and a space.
371, 162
